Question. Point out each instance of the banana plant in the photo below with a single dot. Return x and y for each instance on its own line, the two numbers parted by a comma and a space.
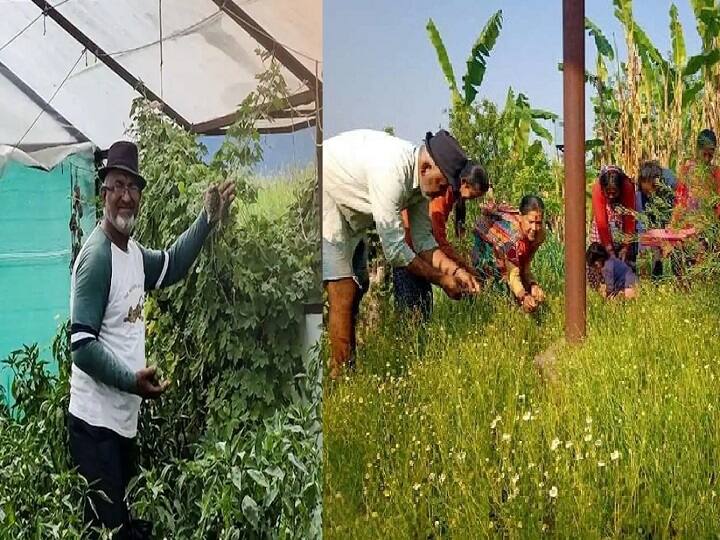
520, 120
476, 63
518, 115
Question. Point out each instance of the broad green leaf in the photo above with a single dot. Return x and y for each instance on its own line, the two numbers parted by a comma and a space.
623, 12
259, 477
707, 17
250, 510
706, 60
543, 115
601, 42
541, 131
649, 54
691, 92
593, 143
443, 58
236, 477
678, 40
601, 70
476, 63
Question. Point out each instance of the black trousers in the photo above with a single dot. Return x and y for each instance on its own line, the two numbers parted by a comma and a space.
108, 462
412, 293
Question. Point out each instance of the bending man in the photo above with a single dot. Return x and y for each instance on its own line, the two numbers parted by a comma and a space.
369, 178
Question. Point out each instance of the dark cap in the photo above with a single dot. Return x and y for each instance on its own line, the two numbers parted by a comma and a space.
123, 155
447, 155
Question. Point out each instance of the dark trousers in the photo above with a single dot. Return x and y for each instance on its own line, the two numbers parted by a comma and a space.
412, 293
108, 462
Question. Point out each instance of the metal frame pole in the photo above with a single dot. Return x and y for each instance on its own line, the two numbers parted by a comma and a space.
574, 142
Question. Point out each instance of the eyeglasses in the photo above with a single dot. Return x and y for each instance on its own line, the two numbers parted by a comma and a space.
132, 189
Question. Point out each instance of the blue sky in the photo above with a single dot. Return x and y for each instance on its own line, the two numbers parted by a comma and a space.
380, 68
280, 152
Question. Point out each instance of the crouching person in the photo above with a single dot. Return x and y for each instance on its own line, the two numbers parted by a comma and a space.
618, 278
506, 242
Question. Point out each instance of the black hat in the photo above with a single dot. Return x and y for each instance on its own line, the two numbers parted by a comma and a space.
447, 155
123, 155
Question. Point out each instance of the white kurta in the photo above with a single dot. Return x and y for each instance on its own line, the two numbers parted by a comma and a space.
369, 177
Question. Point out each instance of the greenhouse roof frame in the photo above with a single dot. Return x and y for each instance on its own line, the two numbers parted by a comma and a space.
208, 20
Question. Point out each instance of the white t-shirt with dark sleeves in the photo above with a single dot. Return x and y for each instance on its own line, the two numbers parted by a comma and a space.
106, 304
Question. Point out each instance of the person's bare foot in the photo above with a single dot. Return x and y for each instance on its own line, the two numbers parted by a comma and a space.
340, 369
335, 372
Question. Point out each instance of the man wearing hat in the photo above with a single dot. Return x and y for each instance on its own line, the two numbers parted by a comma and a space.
369, 178
109, 377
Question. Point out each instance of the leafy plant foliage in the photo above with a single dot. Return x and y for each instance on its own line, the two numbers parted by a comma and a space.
233, 448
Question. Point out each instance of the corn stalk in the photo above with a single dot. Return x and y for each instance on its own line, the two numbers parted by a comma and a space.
653, 107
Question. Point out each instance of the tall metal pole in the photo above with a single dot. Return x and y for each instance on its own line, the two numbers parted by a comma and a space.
574, 141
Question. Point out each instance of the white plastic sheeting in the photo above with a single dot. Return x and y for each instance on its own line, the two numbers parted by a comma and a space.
44, 158
209, 63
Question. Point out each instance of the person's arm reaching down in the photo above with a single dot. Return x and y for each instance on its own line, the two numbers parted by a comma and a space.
439, 212
628, 201
599, 213
426, 245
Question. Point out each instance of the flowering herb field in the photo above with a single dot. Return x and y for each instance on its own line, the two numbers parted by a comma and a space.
450, 431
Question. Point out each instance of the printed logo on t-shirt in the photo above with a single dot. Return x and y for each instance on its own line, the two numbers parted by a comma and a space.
135, 313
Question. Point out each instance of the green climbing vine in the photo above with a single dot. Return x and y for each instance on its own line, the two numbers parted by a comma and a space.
233, 448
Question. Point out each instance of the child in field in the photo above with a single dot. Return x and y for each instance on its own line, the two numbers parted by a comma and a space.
618, 278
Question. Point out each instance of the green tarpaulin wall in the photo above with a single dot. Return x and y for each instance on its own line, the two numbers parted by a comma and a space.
35, 252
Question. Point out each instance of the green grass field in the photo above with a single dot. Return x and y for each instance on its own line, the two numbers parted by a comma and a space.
276, 193
449, 431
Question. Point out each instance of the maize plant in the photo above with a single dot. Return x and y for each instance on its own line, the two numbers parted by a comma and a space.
651, 106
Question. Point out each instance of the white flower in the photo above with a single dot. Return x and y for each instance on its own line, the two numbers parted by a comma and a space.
553, 492
494, 422
526, 416
416, 487
554, 444
615, 455
506, 437
601, 463
588, 437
